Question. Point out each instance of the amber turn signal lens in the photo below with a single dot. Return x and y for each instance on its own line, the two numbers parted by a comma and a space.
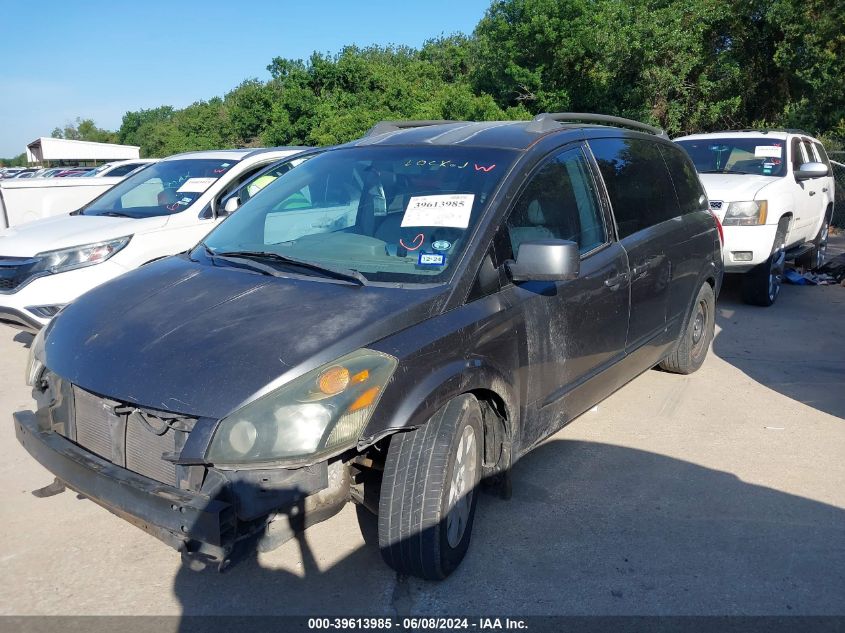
365, 399
361, 376
333, 380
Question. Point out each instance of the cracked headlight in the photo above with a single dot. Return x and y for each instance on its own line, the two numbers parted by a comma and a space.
749, 213
321, 412
79, 256
35, 362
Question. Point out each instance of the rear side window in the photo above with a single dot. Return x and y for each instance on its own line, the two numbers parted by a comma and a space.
822, 154
684, 177
637, 182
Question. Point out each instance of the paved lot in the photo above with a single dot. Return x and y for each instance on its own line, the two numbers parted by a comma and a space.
716, 493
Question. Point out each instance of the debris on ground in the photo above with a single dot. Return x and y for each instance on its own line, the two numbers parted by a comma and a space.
830, 273
835, 268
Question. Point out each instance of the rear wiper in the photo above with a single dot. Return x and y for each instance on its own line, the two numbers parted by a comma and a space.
347, 274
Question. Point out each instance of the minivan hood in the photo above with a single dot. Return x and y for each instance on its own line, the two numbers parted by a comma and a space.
198, 339
64, 231
734, 187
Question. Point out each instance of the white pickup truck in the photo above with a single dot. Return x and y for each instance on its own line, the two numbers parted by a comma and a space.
160, 210
773, 191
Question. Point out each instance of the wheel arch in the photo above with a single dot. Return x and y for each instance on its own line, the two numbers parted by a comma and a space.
475, 377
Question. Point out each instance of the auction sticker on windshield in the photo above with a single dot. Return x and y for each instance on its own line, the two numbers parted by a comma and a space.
195, 185
448, 210
767, 151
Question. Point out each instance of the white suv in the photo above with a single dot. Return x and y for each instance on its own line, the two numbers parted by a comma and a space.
773, 192
160, 210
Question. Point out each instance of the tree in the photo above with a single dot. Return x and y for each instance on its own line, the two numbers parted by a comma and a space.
84, 130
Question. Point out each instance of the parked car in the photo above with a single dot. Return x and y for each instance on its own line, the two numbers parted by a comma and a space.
161, 210
119, 168
11, 172
773, 191
389, 323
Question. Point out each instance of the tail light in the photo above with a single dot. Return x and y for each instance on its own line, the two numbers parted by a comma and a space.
719, 227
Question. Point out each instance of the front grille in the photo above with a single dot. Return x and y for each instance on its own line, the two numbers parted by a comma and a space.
715, 204
15, 271
127, 438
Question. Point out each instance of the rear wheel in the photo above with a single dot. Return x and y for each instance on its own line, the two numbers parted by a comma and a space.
695, 339
429, 491
816, 257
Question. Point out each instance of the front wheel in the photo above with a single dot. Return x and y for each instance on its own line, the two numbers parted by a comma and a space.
761, 284
695, 339
429, 491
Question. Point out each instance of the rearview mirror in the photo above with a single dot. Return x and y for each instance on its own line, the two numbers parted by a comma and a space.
811, 170
231, 205
545, 260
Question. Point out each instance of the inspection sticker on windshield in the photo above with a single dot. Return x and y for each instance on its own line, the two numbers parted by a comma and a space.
768, 151
195, 185
432, 259
449, 210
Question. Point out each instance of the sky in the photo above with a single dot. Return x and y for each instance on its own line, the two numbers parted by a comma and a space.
94, 59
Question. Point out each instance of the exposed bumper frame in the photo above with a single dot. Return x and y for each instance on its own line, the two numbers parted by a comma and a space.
174, 516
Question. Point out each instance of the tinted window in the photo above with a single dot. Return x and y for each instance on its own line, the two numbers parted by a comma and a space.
559, 202
822, 154
684, 177
123, 170
637, 181
745, 155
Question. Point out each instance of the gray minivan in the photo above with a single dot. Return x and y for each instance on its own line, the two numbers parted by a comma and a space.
393, 322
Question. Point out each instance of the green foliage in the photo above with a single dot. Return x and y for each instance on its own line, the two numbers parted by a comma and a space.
84, 130
686, 65
17, 161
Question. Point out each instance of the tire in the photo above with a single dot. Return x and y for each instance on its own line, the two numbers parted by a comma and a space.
816, 257
424, 522
695, 339
761, 284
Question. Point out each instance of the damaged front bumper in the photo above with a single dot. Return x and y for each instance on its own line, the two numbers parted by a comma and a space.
208, 522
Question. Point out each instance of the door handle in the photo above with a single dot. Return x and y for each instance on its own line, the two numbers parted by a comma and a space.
812, 193
824, 189
614, 282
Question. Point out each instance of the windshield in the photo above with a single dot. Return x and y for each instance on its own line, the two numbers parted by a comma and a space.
162, 188
396, 214
758, 155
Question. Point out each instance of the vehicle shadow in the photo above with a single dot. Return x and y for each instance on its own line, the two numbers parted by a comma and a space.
796, 347
592, 529
24, 338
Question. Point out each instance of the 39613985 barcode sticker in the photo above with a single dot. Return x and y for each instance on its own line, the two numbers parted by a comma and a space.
446, 210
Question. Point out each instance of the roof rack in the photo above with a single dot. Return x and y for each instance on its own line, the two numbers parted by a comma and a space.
764, 130
394, 126
541, 122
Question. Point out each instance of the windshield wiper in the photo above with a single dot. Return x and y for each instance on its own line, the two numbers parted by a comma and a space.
115, 214
728, 171
347, 274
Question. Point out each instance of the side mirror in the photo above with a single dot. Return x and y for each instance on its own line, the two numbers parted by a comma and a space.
811, 170
231, 205
545, 260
